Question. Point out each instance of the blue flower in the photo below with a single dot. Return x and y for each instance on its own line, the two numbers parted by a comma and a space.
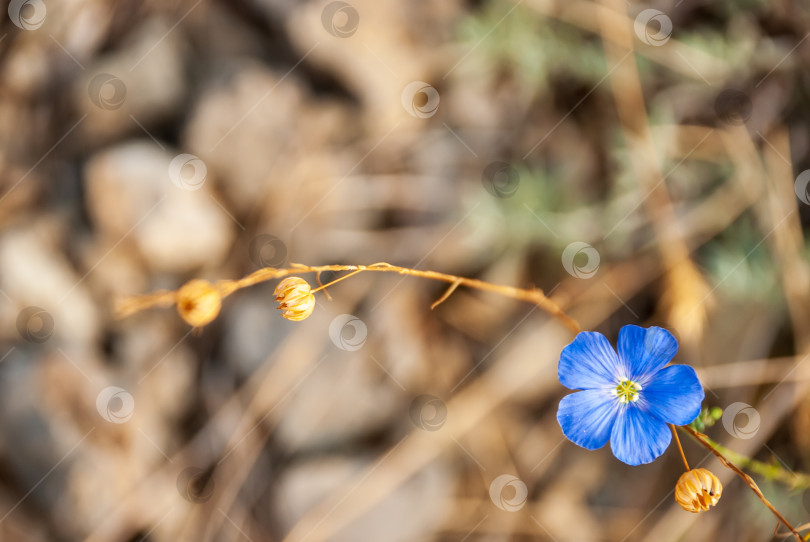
627, 399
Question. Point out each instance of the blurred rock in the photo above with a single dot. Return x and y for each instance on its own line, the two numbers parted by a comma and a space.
131, 196
133, 88
347, 397
115, 274
243, 126
375, 66
34, 273
163, 368
17, 196
81, 27
251, 329
27, 69
416, 508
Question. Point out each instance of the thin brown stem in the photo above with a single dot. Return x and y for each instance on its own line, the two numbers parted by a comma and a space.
325, 292
344, 277
680, 448
800, 528
226, 287
445, 295
706, 443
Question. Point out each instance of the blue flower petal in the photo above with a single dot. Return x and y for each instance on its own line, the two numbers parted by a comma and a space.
587, 417
645, 351
589, 362
637, 436
674, 395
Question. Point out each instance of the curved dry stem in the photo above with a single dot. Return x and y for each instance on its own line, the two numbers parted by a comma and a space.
707, 443
800, 528
132, 305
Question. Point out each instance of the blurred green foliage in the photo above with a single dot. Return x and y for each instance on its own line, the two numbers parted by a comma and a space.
516, 41
741, 266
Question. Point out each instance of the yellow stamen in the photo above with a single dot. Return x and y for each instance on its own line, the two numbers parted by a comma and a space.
627, 391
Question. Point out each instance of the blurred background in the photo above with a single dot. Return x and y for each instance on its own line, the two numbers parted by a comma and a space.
642, 163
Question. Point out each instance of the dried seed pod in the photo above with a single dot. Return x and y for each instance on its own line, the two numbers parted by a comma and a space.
295, 297
198, 302
698, 490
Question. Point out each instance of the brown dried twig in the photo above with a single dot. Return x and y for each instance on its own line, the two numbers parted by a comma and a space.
224, 288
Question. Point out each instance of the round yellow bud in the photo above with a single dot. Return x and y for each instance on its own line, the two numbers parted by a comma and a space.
198, 302
698, 490
295, 298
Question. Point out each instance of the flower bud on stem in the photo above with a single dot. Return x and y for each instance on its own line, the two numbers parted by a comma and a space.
706, 443
224, 288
